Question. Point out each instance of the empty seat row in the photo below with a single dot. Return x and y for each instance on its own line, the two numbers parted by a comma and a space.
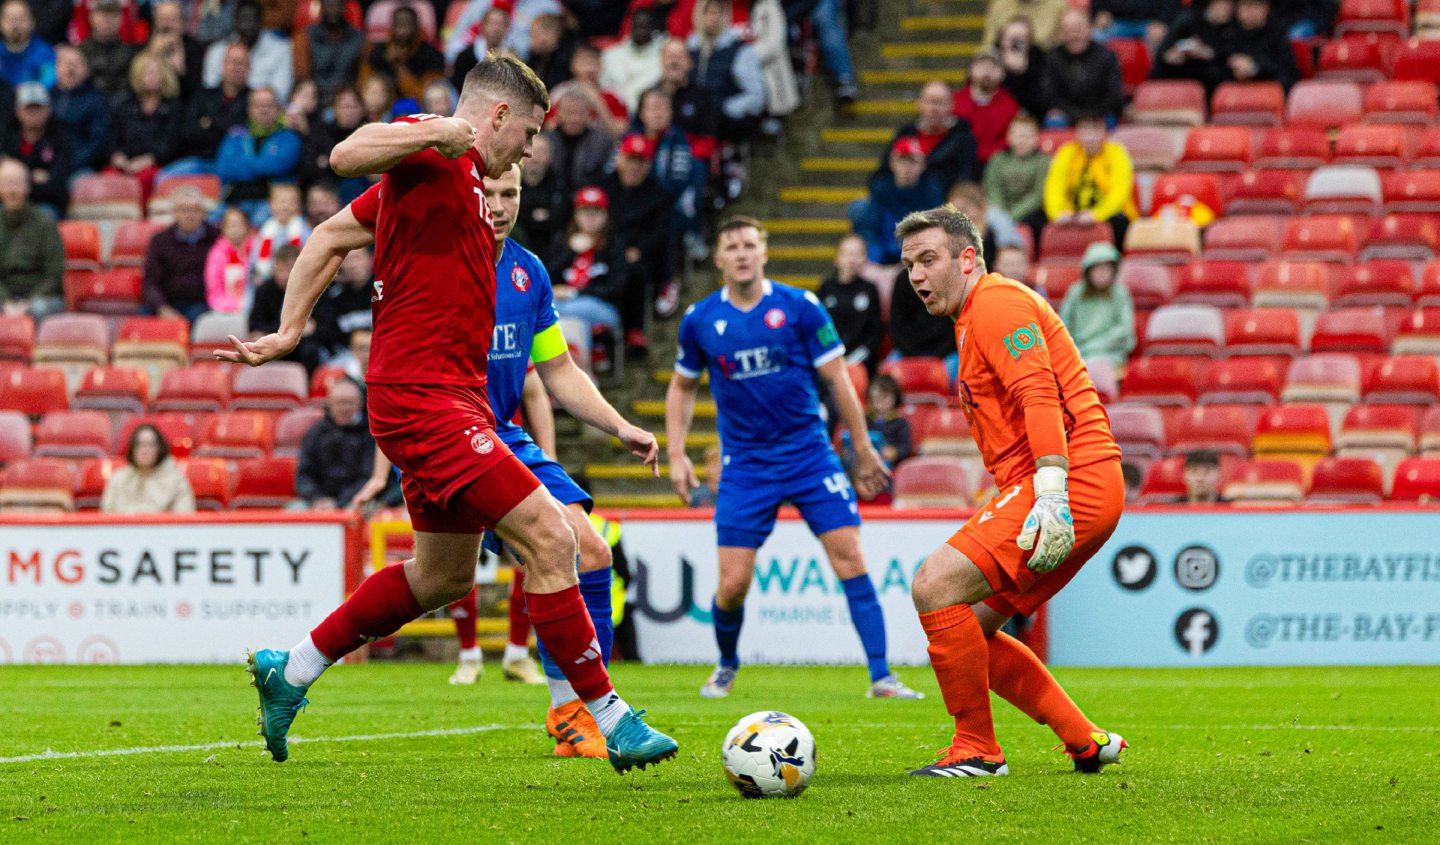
1334, 480
1318, 103
1146, 432
1208, 330
1262, 379
52, 484
200, 387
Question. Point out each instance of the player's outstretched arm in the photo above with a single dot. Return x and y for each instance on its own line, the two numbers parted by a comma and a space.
679, 413
316, 265
870, 473
576, 393
539, 416
377, 147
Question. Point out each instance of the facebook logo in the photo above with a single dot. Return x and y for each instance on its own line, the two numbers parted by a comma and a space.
1197, 631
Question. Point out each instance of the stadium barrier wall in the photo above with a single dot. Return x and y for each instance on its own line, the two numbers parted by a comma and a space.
94, 588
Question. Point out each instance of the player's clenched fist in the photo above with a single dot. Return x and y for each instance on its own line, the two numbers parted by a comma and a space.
454, 136
870, 475
1049, 529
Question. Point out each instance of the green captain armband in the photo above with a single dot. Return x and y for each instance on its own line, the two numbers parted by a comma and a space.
548, 344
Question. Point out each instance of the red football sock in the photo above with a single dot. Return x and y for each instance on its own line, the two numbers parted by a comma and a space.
464, 612
1019, 677
563, 625
959, 656
519, 618
378, 609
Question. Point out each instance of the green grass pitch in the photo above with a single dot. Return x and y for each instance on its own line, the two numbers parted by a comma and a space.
1222, 755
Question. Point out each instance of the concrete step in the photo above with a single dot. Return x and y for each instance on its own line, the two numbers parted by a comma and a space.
808, 281
929, 50
822, 196
961, 24
856, 134
630, 472
624, 501
808, 226
884, 108
704, 410
802, 253
910, 77
863, 165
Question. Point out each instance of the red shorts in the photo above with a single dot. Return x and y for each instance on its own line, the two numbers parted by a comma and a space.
457, 475
1097, 496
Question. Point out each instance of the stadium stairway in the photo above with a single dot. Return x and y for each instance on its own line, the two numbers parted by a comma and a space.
801, 189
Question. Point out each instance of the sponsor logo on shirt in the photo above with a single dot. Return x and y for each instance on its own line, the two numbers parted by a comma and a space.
507, 342
749, 363
520, 279
1023, 340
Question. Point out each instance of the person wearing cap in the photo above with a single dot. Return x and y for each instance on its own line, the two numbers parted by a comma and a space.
949, 145
81, 109
39, 142
32, 257
642, 221
23, 58
1091, 178
1081, 77
109, 57
905, 189
1097, 310
985, 105
588, 267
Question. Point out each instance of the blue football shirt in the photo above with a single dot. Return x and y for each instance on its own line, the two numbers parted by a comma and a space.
524, 308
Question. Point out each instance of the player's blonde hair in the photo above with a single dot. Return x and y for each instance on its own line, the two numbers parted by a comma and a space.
505, 77
959, 229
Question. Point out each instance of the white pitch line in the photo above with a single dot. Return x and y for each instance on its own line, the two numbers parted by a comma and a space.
213, 746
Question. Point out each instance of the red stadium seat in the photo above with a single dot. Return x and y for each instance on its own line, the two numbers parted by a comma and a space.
82, 244
178, 429
1248, 104
1407, 380
1418, 60
132, 240
1323, 104
1226, 429
1185, 191
1363, 60
162, 200
264, 483
1219, 149
1165, 481
33, 392
1245, 380
72, 343
1223, 284
1412, 102
1055, 279
1162, 380
1167, 240
1168, 102
1301, 430
1353, 481
1293, 284
237, 435
210, 482
1069, 241
1343, 189
211, 332
936, 481
111, 292
1381, 282
1427, 148
1053, 139
1407, 237
36, 485
1367, 427
1265, 481
1185, 330
945, 431
1385, 146
1328, 237
291, 429
105, 196
1416, 191
322, 379
199, 387
1427, 295
1151, 147
73, 434
1140, 431
1351, 330
17, 337
1262, 331
1150, 284
1419, 333
1388, 16
859, 376
278, 386
1265, 192
113, 389
1430, 432
155, 343
1134, 58
1323, 378
1417, 480
922, 380
15, 438
90, 483
1243, 238
1293, 148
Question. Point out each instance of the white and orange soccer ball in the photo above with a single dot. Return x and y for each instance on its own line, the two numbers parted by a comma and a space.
769, 755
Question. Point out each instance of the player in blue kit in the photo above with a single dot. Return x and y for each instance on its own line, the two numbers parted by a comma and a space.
527, 330
767, 346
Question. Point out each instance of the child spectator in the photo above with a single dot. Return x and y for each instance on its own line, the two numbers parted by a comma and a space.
1013, 262
704, 495
883, 417
1097, 311
284, 225
227, 267
1015, 177
1202, 478
587, 266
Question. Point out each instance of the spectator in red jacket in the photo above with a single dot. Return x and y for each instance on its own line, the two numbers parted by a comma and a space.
988, 107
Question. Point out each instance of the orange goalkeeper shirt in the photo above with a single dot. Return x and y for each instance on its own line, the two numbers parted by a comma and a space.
1023, 386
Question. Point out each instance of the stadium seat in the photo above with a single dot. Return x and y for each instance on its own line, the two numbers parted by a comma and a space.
1418, 60
1223, 284
1430, 431
178, 429
1351, 330
36, 485
1387, 16
1248, 104
111, 292
1241, 381
1134, 57
1167, 240
1427, 149
90, 480
930, 481
1247, 238
1293, 148
132, 240
1353, 481
1415, 191
198, 387
264, 483
1226, 429
124, 389
1292, 284
1103, 375
1328, 237
1406, 237
1265, 192
1419, 333
1162, 380
1154, 148
155, 343
72, 343
1185, 330
17, 337
325, 376
210, 333
1365, 60
1187, 192
1382, 146
1405, 379
945, 432
1168, 102
73, 434
1068, 241
1380, 282
162, 200
1427, 294
1139, 429
1164, 482
1343, 189
1417, 479
15, 437
1056, 279
1150, 284
1324, 104
33, 392
105, 196
1053, 139
82, 244
236, 435
1409, 101
921, 379
291, 429
1330, 378
1217, 149
1385, 433
210, 482
1265, 481
1293, 430
860, 377
278, 386
1262, 331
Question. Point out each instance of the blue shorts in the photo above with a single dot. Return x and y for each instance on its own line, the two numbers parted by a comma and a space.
746, 505
552, 476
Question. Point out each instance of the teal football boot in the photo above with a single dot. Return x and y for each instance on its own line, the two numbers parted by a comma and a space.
279, 699
634, 743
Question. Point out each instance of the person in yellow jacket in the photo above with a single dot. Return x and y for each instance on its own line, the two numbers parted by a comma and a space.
1091, 178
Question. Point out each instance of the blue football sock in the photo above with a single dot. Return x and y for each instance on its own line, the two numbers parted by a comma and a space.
595, 590
869, 622
727, 633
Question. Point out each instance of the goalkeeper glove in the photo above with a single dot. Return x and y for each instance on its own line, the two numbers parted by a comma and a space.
1049, 521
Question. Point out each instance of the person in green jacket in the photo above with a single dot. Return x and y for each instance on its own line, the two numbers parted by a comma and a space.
1015, 176
32, 258
1097, 310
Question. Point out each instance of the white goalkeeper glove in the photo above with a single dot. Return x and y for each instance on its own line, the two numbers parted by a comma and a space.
1049, 521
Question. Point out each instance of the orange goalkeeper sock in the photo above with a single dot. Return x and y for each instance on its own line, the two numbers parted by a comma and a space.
1019, 677
960, 658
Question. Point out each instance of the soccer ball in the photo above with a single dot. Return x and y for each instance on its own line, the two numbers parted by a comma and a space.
769, 755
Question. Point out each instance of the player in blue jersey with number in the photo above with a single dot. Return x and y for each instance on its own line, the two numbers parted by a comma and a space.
767, 346
527, 330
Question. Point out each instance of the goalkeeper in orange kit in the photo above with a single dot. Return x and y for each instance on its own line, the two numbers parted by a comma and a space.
1044, 436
